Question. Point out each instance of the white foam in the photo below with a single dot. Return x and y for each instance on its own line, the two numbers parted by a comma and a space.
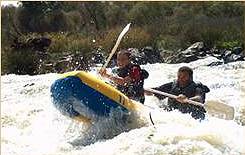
31, 125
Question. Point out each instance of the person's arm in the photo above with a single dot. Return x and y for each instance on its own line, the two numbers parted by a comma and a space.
115, 79
164, 88
198, 97
120, 80
134, 75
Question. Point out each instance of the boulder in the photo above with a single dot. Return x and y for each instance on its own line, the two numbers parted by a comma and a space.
198, 46
215, 63
137, 57
232, 58
237, 50
152, 56
194, 52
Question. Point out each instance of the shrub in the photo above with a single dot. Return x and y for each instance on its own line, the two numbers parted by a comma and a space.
135, 37
63, 42
167, 42
20, 62
228, 44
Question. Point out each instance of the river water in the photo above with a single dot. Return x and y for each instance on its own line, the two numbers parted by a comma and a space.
30, 125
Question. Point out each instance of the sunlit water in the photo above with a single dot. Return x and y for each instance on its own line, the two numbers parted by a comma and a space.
30, 125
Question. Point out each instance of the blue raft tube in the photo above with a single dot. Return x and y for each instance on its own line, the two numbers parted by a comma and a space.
77, 100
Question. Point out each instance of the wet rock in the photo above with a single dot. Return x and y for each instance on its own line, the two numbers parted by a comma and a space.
198, 46
194, 52
226, 53
138, 57
190, 58
145, 55
215, 63
152, 55
194, 49
232, 58
165, 53
237, 50
29, 84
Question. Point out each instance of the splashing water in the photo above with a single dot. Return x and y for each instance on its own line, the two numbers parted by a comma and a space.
31, 125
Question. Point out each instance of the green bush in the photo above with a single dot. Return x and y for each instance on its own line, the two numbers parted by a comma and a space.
81, 27
167, 42
228, 44
27, 61
63, 42
20, 62
136, 37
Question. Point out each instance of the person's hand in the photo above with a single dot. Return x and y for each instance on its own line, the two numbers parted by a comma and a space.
102, 72
181, 98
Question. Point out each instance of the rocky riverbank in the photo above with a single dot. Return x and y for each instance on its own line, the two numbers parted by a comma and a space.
39, 60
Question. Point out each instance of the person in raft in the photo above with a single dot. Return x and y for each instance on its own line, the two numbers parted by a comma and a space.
129, 77
184, 88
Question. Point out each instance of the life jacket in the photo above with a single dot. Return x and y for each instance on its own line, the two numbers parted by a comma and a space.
189, 91
135, 88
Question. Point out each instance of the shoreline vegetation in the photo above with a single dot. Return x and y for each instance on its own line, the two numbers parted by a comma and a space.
43, 37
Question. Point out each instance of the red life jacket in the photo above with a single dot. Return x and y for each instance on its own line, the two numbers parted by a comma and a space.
135, 88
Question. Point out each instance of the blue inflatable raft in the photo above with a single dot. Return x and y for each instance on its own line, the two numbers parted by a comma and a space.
78, 92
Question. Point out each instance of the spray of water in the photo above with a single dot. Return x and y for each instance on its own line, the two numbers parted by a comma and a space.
31, 125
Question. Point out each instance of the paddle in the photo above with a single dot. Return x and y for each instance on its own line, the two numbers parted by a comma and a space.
124, 31
216, 109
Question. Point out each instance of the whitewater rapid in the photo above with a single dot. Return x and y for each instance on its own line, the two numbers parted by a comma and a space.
30, 125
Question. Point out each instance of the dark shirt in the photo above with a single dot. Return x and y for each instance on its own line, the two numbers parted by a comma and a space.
134, 89
191, 90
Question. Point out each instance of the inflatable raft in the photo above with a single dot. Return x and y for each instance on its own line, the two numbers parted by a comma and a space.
77, 93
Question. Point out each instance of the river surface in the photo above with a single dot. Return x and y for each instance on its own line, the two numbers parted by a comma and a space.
30, 125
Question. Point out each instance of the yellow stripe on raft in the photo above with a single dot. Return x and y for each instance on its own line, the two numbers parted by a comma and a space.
106, 89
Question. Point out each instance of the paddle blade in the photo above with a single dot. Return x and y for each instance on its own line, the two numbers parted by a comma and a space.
124, 31
219, 109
